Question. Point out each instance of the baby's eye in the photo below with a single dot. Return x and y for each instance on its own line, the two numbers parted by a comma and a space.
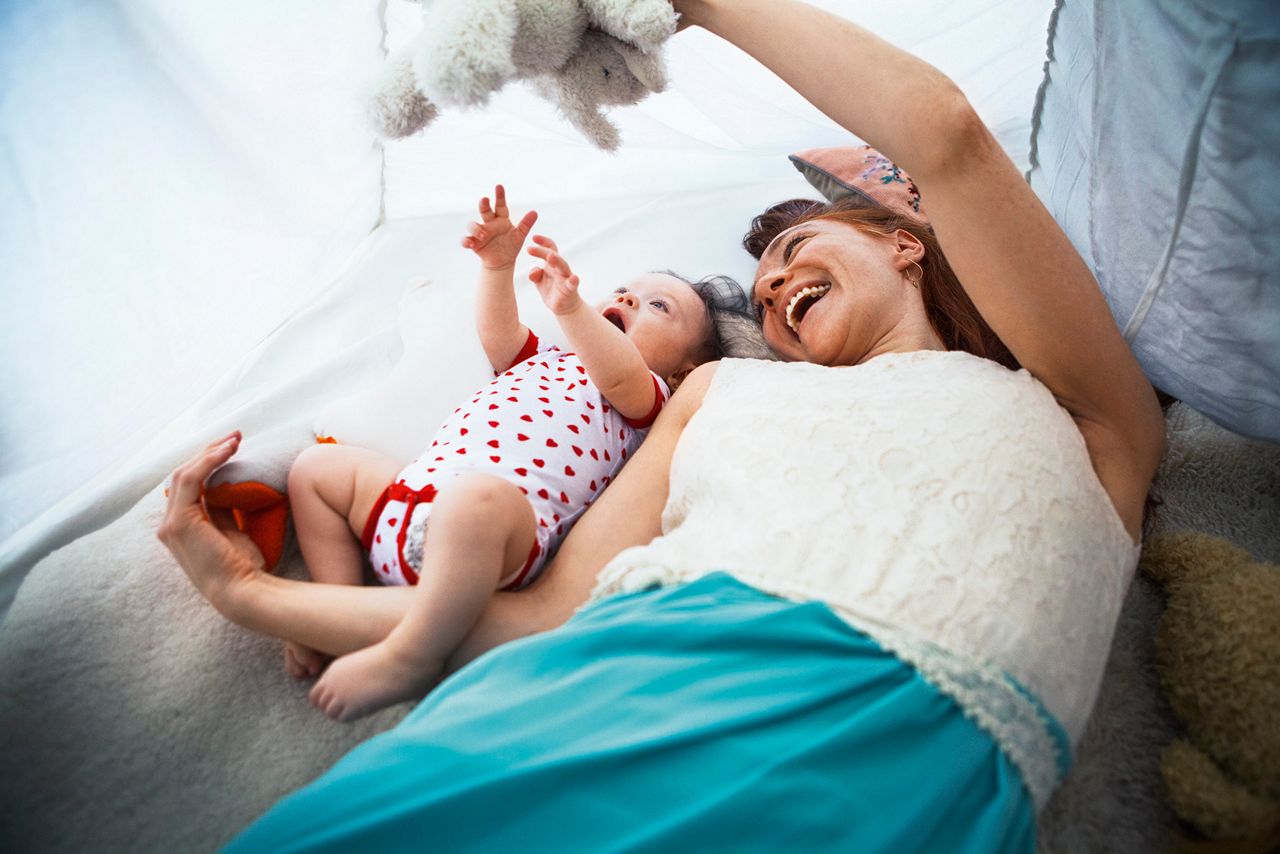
759, 309
621, 290
658, 304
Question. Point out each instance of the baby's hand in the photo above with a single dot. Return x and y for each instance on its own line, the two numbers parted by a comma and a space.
495, 240
555, 282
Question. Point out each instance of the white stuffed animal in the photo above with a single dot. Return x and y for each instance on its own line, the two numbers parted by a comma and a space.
581, 54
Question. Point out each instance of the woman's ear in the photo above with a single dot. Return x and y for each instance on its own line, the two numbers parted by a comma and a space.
908, 245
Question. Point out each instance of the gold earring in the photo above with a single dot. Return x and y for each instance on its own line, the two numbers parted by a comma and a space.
915, 283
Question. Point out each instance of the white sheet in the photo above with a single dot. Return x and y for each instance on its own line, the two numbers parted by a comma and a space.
184, 193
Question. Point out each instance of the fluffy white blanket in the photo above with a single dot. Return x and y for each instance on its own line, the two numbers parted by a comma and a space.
135, 718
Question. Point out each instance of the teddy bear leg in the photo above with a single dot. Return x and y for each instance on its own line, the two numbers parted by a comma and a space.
1202, 795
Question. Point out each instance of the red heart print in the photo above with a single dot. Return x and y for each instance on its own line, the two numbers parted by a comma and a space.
624, 453
573, 427
569, 471
607, 458
570, 386
462, 450
594, 455
495, 459
581, 369
392, 521
493, 423
463, 431
492, 443
590, 405
555, 517
568, 399
564, 499
513, 399
593, 486
552, 443
542, 493
586, 418
522, 437
543, 400
548, 413
522, 472
576, 450
493, 406
539, 463
526, 418
378, 538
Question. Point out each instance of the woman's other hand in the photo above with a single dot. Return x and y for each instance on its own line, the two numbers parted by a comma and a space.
555, 282
495, 239
216, 556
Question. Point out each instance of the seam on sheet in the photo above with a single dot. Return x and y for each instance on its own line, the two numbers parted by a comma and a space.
1221, 57
1037, 110
382, 148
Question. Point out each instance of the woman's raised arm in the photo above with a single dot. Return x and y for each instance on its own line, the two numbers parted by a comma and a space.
1016, 264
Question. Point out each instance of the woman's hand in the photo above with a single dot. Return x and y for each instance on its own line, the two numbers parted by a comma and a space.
217, 558
495, 239
555, 282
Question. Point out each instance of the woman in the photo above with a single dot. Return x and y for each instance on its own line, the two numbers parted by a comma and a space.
924, 551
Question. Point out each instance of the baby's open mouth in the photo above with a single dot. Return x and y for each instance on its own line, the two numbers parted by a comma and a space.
804, 299
615, 317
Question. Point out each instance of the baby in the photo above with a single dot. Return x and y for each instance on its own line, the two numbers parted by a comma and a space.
509, 471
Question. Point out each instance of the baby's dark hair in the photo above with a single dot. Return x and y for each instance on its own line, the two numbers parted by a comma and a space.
734, 332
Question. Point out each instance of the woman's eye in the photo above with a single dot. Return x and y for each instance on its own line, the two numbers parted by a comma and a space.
791, 245
658, 304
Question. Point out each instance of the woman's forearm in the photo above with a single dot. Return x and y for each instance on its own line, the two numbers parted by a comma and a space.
859, 80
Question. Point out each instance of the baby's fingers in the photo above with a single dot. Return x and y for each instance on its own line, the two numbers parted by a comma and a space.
527, 222
543, 240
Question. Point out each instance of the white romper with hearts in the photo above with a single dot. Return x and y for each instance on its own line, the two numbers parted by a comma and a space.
541, 425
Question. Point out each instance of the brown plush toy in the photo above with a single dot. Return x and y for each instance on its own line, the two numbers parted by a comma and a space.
1218, 656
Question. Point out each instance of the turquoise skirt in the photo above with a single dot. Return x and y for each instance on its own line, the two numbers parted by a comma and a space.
708, 716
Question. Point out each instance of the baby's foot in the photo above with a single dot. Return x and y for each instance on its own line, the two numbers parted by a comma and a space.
363, 682
302, 661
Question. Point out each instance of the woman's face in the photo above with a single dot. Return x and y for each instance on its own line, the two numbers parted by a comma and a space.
829, 293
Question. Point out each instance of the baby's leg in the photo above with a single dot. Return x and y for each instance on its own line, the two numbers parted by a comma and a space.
332, 489
481, 530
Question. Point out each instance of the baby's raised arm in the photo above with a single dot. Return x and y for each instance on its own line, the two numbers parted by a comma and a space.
612, 361
496, 242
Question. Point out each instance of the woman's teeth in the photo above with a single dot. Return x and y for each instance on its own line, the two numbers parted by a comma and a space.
815, 291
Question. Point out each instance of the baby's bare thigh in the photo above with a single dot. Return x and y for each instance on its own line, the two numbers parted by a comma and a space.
349, 479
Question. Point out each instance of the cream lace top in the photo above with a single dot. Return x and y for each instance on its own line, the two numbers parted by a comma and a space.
938, 501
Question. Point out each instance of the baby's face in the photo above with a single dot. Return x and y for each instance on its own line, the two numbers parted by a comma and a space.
664, 318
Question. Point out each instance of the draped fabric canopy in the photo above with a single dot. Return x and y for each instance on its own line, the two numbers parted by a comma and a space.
199, 231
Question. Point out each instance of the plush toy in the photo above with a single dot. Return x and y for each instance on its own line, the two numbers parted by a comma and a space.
1218, 655
580, 54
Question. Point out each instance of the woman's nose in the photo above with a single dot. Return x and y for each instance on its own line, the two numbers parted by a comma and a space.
768, 288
